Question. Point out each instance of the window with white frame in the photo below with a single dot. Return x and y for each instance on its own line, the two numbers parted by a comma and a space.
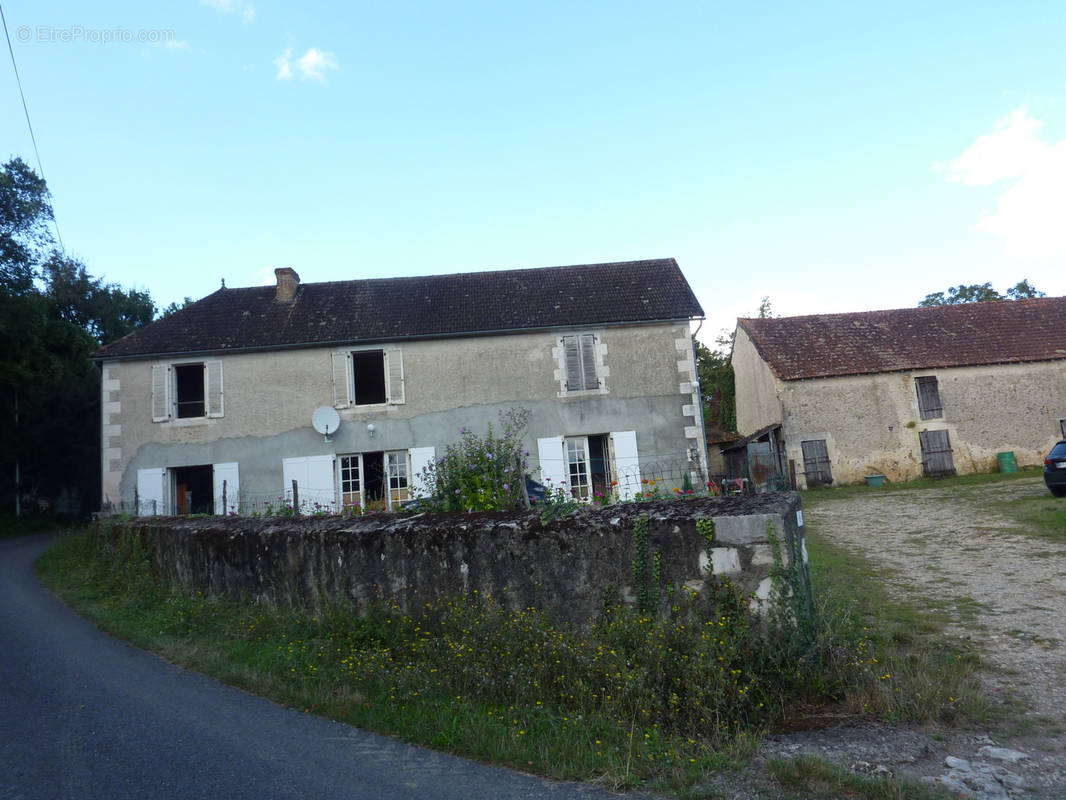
187, 390
398, 475
350, 484
375, 480
368, 377
605, 462
588, 464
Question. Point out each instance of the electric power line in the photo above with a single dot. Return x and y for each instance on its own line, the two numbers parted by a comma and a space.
29, 124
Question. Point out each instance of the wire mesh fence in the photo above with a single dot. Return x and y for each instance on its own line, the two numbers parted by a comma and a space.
648, 480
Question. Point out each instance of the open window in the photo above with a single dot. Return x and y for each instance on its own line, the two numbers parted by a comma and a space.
374, 481
368, 378
589, 465
187, 390
197, 489
929, 405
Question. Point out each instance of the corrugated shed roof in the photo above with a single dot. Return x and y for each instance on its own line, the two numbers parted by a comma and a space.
828, 345
390, 309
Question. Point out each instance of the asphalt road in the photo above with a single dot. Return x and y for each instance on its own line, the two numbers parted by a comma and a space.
85, 716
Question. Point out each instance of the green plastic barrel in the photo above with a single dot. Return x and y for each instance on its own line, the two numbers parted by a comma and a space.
1007, 463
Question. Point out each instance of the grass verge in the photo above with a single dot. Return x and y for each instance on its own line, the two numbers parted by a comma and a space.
978, 479
900, 666
633, 701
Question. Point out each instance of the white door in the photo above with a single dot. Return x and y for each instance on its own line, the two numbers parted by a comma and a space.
421, 458
626, 463
552, 459
314, 478
151, 491
227, 482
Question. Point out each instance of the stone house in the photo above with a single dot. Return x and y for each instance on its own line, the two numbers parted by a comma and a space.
210, 409
905, 392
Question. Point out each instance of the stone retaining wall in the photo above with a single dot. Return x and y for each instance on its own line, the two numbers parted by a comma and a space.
567, 565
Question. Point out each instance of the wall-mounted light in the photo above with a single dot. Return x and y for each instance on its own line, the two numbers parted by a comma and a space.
370, 429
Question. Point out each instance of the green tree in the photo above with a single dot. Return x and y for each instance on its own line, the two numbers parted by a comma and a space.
53, 315
717, 386
717, 382
25, 211
979, 293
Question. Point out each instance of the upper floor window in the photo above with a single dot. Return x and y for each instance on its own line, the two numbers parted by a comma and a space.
929, 405
580, 363
367, 377
189, 384
187, 390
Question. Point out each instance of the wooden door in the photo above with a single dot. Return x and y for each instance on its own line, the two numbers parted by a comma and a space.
816, 463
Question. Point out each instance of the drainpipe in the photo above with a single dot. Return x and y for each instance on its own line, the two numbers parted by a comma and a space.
702, 444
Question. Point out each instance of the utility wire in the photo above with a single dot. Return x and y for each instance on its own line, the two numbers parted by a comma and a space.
29, 124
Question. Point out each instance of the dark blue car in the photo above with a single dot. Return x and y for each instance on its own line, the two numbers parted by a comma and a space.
1055, 469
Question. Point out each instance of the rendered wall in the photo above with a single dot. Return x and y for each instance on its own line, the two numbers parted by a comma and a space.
757, 390
567, 566
449, 384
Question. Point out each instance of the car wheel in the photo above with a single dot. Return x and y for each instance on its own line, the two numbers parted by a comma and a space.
1058, 491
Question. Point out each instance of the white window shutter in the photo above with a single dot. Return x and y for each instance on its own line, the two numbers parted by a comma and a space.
229, 474
151, 491
161, 392
552, 461
421, 457
394, 373
588, 361
213, 388
342, 378
315, 481
626, 463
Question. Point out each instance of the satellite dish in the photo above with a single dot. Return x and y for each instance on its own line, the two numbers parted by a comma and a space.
326, 420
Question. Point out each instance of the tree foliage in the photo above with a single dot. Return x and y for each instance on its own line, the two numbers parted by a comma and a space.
717, 387
980, 293
53, 315
717, 383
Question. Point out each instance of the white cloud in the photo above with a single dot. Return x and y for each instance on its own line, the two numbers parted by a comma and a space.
176, 44
264, 276
1029, 213
247, 10
284, 65
312, 65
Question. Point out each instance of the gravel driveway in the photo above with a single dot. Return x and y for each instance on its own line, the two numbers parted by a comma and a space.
955, 546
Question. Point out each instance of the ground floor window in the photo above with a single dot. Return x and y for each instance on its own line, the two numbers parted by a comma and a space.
374, 481
588, 465
194, 489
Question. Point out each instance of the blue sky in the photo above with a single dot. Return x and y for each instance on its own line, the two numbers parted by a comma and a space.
831, 156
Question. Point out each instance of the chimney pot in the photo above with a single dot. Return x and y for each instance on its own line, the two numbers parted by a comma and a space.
288, 282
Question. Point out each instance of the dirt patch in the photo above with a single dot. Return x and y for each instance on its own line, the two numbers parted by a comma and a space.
1006, 592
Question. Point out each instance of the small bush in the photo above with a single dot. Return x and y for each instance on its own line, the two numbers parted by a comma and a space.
481, 473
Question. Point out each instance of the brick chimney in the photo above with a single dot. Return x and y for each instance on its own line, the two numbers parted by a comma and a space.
288, 282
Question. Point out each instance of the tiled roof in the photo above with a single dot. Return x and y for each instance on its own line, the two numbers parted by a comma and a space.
827, 345
391, 309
